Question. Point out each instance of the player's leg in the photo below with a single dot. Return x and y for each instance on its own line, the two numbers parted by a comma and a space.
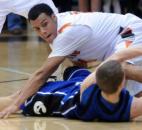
116, 6
84, 5
106, 5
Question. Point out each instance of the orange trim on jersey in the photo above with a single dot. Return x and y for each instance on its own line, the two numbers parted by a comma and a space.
63, 27
128, 43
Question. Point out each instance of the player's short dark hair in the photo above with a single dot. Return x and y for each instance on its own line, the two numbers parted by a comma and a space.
36, 10
109, 76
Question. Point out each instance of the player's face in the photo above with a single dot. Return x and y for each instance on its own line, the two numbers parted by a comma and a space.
45, 26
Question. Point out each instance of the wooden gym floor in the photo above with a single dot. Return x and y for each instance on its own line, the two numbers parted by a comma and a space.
18, 59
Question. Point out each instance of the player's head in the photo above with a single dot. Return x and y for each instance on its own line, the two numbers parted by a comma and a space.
44, 21
109, 76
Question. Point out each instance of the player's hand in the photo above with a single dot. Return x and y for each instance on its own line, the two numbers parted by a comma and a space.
11, 109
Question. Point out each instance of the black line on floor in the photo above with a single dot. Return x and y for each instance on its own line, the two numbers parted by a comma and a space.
7, 81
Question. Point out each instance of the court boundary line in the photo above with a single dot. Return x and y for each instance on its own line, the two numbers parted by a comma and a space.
14, 71
20, 72
14, 80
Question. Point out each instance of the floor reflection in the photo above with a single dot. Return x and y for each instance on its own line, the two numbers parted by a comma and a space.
34, 123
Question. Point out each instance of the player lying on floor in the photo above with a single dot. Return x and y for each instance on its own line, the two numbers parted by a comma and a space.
110, 102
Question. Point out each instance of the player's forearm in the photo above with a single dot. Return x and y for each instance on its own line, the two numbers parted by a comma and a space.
38, 79
126, 54
133, 72
33, 85
88, 82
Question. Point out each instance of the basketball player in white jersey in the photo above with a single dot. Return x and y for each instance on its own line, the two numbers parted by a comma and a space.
84, 38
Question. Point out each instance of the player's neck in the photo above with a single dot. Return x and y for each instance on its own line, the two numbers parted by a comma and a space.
112, 98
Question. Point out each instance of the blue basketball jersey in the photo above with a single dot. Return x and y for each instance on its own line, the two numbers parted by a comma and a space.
93, 106
58, 98
62, 98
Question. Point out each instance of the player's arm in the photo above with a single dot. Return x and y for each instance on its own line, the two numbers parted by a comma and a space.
133, 72
126, 54
91, 79
136, 107
120, 56
33, 84
4, 102
39, 78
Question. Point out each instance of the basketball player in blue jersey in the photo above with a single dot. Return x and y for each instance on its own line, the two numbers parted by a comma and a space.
107, 101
